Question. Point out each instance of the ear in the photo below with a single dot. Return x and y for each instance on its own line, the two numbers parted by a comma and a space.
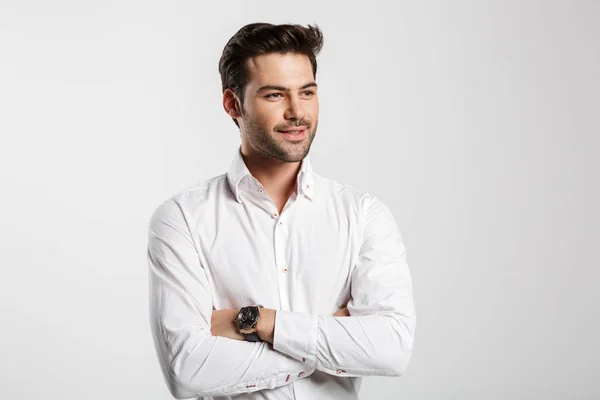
231, 104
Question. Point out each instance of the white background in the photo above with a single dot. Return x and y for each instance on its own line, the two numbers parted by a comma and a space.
476, 122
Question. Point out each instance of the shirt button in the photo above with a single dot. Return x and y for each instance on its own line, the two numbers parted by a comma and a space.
260, 190
339, 371
300, 374
280, 222
275, 215
284, 270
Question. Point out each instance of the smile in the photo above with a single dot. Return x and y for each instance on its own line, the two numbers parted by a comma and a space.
294, 135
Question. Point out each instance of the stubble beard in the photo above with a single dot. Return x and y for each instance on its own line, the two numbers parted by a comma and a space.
269, 144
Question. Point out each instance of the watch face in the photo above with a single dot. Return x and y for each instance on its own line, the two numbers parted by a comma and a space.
248, 317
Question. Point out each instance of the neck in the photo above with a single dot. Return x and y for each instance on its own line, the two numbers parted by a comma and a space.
278, 177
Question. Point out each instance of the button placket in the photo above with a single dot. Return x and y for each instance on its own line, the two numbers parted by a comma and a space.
278, 231
281, 236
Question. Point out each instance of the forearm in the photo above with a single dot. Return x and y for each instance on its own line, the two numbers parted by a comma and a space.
194, 362
197, 364
377, 338
347, 346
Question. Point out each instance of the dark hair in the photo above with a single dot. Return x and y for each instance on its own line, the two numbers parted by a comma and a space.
263, 38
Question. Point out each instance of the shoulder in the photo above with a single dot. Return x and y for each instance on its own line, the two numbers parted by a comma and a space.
362, 201
190, 198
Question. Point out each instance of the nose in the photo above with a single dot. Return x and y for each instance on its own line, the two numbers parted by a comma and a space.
294, 109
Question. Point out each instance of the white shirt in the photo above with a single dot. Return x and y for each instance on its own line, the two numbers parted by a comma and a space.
222, 244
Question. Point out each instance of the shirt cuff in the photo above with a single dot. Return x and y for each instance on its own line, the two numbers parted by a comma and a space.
295, 334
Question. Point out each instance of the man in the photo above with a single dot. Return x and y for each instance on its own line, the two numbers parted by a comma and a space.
270, 281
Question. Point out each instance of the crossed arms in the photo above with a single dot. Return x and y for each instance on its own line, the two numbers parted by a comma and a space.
200, 355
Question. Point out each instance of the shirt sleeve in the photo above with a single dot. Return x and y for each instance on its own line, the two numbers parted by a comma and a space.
195, 363
377, 338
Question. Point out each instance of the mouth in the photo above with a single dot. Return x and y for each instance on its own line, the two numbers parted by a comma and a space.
294, 133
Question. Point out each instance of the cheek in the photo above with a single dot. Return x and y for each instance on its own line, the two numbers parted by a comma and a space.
270, 116
314, 108
263, 110
255, 117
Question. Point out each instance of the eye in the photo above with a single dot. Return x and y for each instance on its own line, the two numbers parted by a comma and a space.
272, 95
308, 93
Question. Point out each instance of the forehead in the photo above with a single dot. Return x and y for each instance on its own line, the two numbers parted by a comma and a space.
289, 69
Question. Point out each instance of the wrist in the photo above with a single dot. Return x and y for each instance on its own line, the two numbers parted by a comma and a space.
247, 322
266, 324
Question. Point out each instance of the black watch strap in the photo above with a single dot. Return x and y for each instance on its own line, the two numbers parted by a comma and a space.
252, 337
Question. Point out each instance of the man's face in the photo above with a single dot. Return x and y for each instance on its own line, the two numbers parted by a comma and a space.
281, 96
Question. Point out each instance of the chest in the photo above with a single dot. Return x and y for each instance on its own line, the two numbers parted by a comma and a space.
300, 260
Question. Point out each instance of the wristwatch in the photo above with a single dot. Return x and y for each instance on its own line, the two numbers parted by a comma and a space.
246, 321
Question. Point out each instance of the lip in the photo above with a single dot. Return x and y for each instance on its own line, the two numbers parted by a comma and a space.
294, 137
296, 129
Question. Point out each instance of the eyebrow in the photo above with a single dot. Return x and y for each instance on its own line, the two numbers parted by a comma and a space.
284, 89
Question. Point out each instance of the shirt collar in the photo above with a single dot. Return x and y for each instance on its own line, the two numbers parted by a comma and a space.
238, 170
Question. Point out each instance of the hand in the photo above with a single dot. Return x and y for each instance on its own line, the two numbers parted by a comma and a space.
266, 324
222, 324
342, 313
